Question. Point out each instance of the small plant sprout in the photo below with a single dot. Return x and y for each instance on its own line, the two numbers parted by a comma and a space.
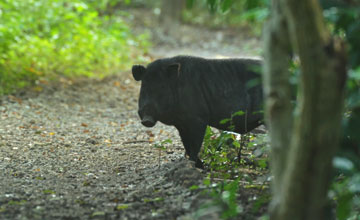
161, 146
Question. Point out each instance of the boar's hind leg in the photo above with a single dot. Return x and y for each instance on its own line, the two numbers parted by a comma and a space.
192, 137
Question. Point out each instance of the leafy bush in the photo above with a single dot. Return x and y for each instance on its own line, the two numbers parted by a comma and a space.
223, 200
47, 38
247, 13
345, 189
227, 151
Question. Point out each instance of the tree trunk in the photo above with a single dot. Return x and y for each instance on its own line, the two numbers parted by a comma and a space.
277, 93
305, 176
170, 17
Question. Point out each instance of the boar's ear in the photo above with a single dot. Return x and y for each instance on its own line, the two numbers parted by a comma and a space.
173, 69
138, 72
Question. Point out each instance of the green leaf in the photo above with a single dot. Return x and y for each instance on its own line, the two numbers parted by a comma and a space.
238, 113
167, 141
224, 121
48, 191
98, 213
354, 184
146, 200
190, 3
236, 144
344, 206
207, 182
158, 199
262, 163
194, 187
212, 5
343, 163
16, 202
226, 5
122, 206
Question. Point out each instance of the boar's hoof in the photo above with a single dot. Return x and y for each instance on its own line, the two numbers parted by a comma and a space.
148, 121
199, 164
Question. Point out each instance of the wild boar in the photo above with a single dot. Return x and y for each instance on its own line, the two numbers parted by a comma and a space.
192, 92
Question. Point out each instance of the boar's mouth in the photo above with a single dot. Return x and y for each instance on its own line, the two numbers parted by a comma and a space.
148, 121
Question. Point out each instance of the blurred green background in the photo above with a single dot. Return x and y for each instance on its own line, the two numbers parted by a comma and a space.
43, 40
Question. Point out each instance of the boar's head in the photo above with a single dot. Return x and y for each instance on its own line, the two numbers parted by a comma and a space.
158, 96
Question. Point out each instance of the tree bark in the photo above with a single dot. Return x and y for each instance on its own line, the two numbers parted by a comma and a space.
277, 93
170, 17
305, 175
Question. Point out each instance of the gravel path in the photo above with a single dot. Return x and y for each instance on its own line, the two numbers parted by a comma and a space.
78, 151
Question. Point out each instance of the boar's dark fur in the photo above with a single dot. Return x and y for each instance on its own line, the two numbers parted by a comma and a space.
191, 93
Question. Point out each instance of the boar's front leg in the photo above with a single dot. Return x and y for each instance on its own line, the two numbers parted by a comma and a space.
192, 136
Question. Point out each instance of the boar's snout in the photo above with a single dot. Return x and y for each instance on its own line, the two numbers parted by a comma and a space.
148, 121
147, 114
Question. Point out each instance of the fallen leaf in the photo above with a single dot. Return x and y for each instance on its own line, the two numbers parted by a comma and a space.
113, 123
150, 134
31, 69
16, 99
38, 89
42, 81
116, 83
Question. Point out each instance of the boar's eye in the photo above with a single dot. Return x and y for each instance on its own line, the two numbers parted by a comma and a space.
138, 72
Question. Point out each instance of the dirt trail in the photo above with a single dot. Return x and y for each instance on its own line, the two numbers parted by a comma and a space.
78, 151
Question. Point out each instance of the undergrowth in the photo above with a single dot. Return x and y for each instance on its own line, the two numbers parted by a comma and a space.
45, 39
235, 162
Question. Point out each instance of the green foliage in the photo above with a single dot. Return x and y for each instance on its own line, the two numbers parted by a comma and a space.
345, 191
224, 199
161, 146
106, 6
122, 207
218, 154
47, 38
343, 19
223, 153
245, 13
226, 154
